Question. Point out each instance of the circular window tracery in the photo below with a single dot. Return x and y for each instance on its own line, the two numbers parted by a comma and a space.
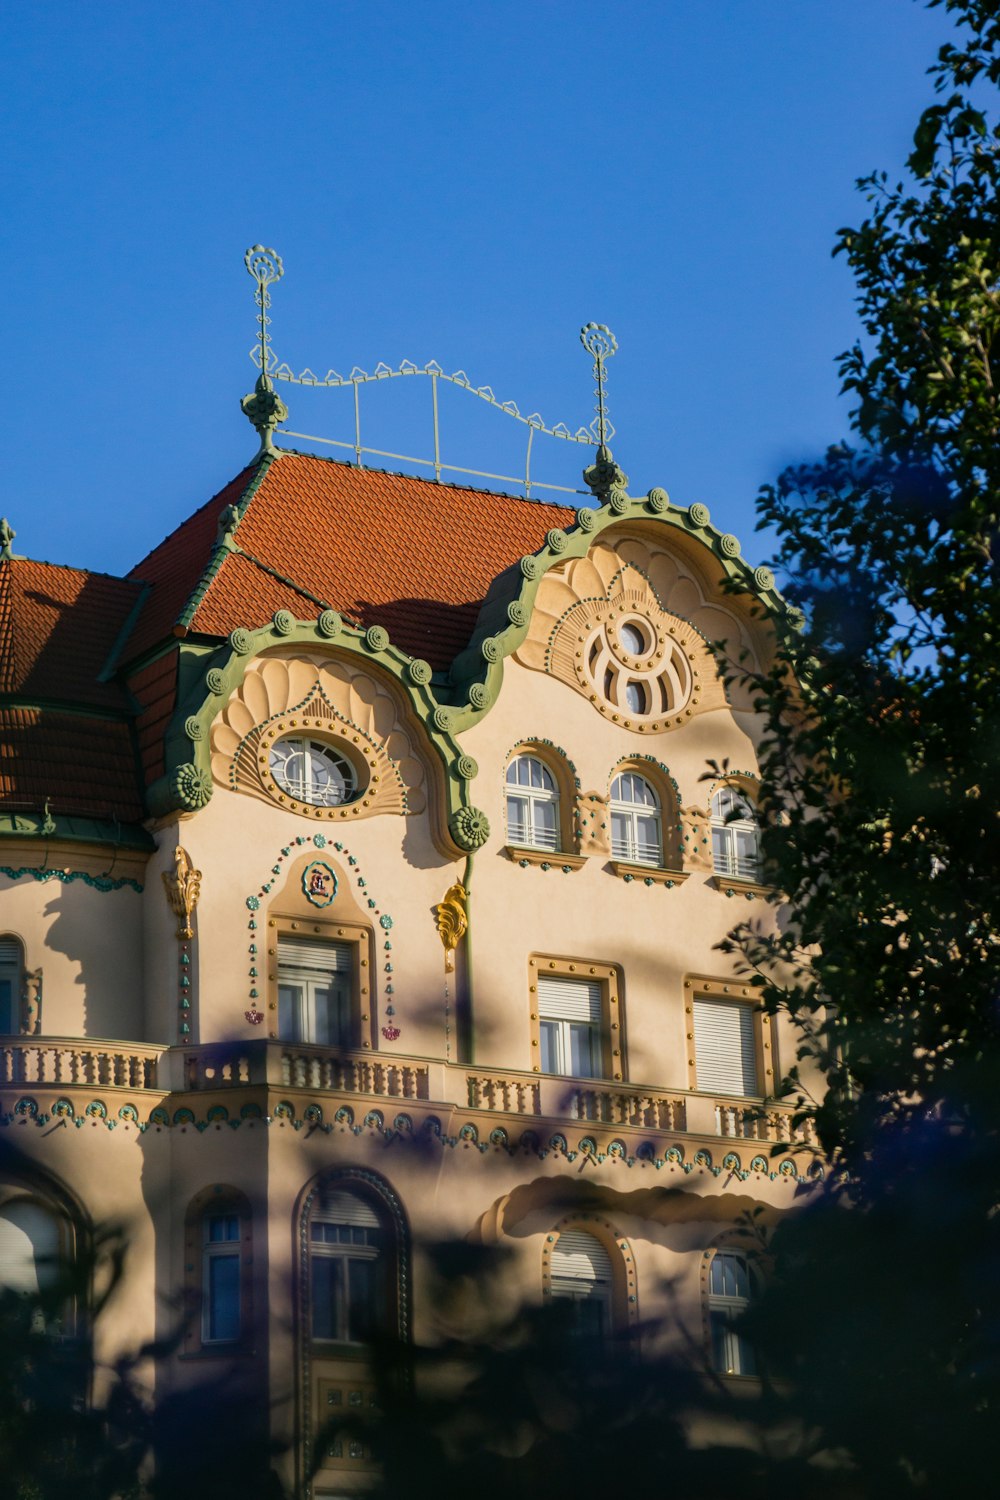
313, 772
638, 670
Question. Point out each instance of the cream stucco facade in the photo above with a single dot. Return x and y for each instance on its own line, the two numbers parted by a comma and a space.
433, 1109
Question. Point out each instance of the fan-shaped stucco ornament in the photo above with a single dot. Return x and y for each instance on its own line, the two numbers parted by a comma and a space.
330, 701
627, 626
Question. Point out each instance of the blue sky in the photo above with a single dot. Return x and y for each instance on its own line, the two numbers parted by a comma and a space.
463, 182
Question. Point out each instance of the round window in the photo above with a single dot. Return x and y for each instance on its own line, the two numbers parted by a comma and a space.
633, 640
313, 772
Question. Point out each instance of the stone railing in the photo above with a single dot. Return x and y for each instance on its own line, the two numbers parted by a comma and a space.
639, 1107
223, 1066
59, 1060
352, 1073
515, 1096
761, 1122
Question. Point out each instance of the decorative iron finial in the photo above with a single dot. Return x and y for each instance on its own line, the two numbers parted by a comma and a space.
264, 408
603, 476
266, 267
601, 344
7, 535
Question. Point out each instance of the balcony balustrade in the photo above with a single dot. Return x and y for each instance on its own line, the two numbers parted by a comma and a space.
61, 1060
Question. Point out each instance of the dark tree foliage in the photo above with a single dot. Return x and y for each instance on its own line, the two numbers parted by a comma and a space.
881, 799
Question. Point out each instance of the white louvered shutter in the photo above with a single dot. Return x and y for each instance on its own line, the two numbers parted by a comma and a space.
569, 999
346, 1208
581, 1267
725, 1054
317, 958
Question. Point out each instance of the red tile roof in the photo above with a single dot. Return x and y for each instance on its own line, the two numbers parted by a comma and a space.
58, 629
78, 764
406, 553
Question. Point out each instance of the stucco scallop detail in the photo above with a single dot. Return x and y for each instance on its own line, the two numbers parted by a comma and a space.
627, 626
335, 701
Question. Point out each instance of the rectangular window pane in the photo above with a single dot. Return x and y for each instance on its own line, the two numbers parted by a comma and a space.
582, 1047
327, 1296
746, 852
545, 824
332, 1006
648, 839
7, 1005
361, 1311
289, 1011
549, 1037
223, 1227
620, 841
517, 820
223, 1297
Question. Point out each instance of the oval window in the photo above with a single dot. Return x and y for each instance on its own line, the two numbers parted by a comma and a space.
313, 772
633, 640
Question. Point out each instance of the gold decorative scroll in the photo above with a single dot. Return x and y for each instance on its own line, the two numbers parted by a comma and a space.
183, 887
452, 916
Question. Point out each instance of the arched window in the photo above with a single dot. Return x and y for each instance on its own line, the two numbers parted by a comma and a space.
218, 1246
314, 772
580, 1272
532, 804
735, 844
11, 982
30, 1247
220, 1307
349, 1269
636, 832
730, 1292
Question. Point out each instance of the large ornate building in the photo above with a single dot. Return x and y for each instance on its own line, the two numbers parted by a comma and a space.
361, 884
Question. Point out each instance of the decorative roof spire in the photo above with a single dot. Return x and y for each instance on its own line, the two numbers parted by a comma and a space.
603, 476
263, 405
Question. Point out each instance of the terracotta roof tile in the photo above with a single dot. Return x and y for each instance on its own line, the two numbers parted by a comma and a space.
79, 765
176, 565
155, 689
406, 553
58, 629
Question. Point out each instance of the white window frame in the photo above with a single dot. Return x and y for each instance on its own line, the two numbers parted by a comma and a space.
306, 787
213, 1251
727, 833
352, 1213
632, 849
309, 979
570, 1008
535, 798
731, 1353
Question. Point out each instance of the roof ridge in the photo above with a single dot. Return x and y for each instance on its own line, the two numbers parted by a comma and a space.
132, 577
43, 562
220, 550
441, 484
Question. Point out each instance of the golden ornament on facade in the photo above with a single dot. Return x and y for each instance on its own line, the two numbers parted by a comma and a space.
183, 887
452, 917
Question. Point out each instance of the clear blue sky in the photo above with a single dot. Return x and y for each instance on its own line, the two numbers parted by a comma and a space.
449, 180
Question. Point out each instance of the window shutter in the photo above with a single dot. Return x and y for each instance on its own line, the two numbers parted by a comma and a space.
10, 952
580, 1264
323, 958
346, 1208
725, 1055
569, 999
